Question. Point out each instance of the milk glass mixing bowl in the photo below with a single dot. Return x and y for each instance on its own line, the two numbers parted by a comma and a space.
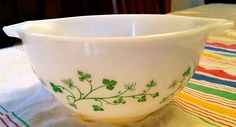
115, 67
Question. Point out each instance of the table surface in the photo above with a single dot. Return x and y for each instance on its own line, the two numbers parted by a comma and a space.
209, 100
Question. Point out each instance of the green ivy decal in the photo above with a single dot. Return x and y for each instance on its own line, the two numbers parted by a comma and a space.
130, 86
56, 88
84, 76
187, 72
110, 84
97, 108
68, 86
119, 98
142, 98
73, 105
186, 76
68, 82
155, 95
151, 84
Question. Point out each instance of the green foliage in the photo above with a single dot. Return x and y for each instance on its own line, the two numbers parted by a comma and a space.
73, 105
130, 86
97, 108
84, 76
173, 84
187, 72
142, 98
110, 84
155, 95
56, 88
186, 75
164, 100
68, 82
120, 100
152, 83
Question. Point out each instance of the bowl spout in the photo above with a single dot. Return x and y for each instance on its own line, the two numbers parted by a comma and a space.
16, 29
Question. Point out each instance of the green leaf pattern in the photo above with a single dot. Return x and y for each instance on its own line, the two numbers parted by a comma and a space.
185, 77
68, 86
120, 100
56, 88
152, 83
97, 108
110, 84
68, 82
142, 98
83, 76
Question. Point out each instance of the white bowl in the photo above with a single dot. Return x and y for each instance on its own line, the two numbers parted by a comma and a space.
115, 67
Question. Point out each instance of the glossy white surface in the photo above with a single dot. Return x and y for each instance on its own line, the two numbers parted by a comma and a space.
126, 48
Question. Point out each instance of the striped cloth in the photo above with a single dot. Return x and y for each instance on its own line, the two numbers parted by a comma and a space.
211, 93
10, 119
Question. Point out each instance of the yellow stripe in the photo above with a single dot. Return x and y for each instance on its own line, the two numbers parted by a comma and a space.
212, 107
216, 57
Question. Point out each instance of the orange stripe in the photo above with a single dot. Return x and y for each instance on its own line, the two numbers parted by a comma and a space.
209, 99
212, 107
201, 113
184, 107
218, 58
209, 113
218, 98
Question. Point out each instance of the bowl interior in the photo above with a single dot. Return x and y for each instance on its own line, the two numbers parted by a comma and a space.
114, 25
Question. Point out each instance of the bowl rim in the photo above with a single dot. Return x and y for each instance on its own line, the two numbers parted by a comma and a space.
212, 23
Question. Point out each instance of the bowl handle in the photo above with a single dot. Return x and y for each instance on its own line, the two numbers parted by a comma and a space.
16, 29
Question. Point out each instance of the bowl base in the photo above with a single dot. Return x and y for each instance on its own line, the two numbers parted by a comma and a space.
115, 120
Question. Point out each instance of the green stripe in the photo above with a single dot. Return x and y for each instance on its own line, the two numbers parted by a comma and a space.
22, 121
220, 93
227, 54
3, 108
188, 112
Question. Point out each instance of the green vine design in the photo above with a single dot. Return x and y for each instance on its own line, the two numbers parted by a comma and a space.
108, 84
185, 78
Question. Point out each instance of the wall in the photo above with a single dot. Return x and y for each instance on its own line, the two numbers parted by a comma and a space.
177, 5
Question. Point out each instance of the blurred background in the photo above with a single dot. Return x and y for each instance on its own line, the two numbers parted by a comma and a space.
15, 11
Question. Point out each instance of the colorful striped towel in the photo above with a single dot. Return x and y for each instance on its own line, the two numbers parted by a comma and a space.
10, 119
211, 93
